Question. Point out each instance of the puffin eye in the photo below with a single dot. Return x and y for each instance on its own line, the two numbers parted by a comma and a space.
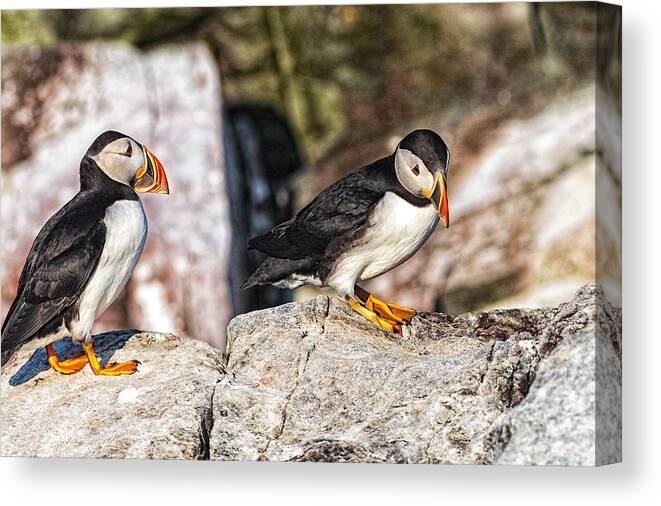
416, 170
129, 150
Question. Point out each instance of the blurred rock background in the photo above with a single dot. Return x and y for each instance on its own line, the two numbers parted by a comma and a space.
526, 95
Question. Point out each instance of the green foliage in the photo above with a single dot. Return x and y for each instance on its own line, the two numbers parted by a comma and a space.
26, 27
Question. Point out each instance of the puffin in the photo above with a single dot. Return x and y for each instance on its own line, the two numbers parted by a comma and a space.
84, 255
362, 226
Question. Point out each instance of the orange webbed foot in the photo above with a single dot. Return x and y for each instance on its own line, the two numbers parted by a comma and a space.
112, 369
391, 312
69, 366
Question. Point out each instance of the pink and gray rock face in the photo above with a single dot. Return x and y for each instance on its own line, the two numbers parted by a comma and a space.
311, 381
55, 102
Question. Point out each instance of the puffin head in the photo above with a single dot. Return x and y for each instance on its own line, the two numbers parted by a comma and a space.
125, 160
421, 166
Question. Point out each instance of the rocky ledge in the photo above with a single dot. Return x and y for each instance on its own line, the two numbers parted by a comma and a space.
162, 412
311, 381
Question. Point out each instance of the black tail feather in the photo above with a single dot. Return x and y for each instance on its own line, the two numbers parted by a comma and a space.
6, 355
273, 270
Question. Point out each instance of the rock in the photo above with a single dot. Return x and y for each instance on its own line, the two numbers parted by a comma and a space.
55, 101
573, 412
161, 412
311, 381
557, 423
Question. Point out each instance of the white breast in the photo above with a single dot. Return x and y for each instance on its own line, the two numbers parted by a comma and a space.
126, 232
397, 230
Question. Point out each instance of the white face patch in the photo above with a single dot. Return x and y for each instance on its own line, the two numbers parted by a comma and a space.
120, 160
412, 172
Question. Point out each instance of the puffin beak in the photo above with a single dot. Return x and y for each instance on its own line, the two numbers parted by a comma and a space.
439, 197
151, 176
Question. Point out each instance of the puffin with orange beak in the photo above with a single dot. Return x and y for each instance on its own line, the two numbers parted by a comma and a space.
84, 255
361, 227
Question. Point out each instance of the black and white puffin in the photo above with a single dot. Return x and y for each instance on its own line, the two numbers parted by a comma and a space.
84, 255
362, 226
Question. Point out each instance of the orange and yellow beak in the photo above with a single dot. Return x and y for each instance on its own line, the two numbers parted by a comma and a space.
439, 197
151, 176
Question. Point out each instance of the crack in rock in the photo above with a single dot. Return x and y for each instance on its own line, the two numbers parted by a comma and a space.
304, 357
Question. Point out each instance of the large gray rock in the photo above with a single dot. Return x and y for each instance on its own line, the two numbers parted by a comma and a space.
310, 381
161, 412
560, 422
55, 101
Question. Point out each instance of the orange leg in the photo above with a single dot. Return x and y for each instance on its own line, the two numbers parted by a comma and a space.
387, 311
113, 369
69, 366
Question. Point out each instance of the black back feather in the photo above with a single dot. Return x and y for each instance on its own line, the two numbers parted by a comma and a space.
337, 212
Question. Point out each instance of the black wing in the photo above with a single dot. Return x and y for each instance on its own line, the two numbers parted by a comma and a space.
59, 265
337, 211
